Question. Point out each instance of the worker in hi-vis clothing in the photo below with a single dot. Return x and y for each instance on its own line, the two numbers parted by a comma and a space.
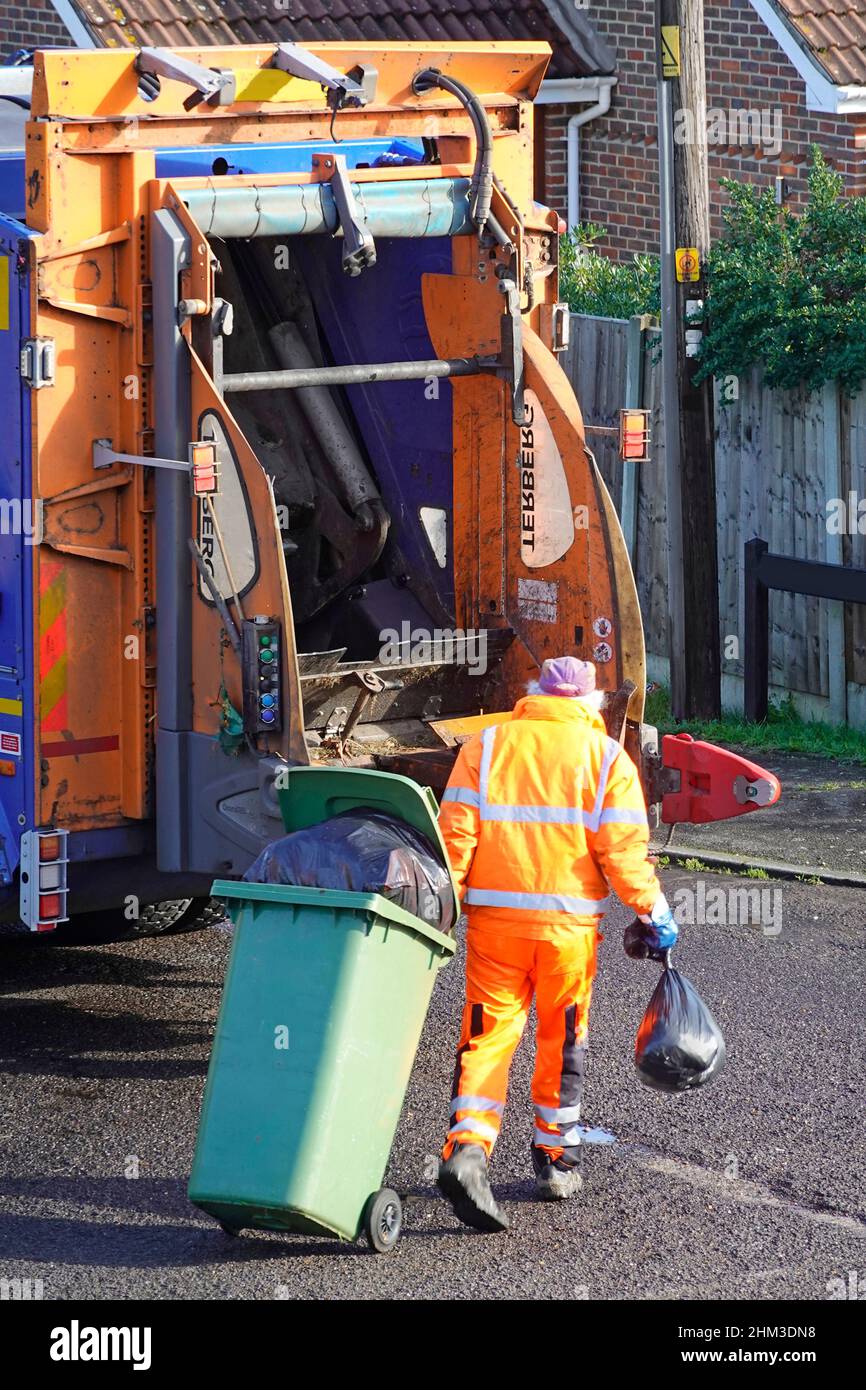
542, 815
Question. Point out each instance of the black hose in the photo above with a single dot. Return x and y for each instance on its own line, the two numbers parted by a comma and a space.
481, 188
16, 101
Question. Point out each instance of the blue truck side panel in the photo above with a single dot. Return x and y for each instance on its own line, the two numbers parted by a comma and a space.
12, 199
198, 160
19, 530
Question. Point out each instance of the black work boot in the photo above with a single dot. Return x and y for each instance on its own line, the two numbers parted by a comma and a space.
556, 1179
463, 1180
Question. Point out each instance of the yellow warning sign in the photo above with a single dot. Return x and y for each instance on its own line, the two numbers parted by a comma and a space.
4, 291
670, 50
688, 264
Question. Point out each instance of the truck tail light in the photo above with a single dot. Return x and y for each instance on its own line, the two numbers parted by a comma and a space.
43, 892
634, 435
204, 469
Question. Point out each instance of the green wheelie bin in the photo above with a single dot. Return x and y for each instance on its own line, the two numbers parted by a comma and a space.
323, 1005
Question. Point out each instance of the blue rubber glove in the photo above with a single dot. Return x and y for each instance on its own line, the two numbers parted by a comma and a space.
662, 930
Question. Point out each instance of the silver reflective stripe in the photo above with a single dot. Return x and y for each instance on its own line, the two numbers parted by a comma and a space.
477, 1103
562, 1116
487, 739
535, 902
464, 795
620, 817
569, 1140
611, 749
473, 1127
546, 815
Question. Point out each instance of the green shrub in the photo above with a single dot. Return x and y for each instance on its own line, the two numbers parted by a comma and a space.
788, 290
591, 283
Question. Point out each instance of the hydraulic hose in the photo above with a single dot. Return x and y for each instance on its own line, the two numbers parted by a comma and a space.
481, 190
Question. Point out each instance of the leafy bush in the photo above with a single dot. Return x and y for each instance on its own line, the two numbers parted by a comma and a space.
591, 283
788, 291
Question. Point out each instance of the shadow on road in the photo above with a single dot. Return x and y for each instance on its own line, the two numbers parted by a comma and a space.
50, 1038
38, 965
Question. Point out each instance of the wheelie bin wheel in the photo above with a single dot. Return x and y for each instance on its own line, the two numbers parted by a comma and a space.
383, 1220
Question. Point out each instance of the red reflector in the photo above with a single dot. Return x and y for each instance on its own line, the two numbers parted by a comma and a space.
634, 435
49, 848
205, 469
46, 926
7, 768
50, 905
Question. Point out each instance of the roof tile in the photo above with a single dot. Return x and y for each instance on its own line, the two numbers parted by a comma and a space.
834, 32
577, 49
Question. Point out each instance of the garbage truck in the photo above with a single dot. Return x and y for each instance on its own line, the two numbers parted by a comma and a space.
291, 470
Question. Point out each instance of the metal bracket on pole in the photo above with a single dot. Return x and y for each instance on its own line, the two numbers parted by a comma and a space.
512, 348
359, 249
202, 466
214, 85
353, 88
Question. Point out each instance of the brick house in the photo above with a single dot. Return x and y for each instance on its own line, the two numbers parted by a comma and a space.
794, 70
781, 75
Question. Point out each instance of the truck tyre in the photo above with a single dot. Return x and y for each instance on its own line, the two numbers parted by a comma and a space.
156, 919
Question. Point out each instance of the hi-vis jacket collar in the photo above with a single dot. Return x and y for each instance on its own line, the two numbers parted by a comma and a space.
558, 709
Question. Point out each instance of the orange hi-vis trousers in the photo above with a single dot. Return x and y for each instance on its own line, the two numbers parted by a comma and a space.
503, 972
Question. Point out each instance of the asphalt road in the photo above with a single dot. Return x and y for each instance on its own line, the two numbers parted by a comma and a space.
753, 1189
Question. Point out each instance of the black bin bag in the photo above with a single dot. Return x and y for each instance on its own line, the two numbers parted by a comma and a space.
363, 851
679, 1046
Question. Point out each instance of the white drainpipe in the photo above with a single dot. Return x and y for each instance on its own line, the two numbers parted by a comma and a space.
565, 91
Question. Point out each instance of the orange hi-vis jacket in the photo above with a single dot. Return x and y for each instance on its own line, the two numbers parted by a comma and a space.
542, 814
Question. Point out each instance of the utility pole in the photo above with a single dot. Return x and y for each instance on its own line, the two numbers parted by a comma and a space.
693, 575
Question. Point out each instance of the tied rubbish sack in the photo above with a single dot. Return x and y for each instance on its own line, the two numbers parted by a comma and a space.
679, 1045
363, 851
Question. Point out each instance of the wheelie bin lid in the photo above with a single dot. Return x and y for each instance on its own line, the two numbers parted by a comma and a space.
373, 903
316, 794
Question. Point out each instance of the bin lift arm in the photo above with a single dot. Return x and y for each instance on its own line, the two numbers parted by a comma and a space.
218, 86
698, 782
354, 88
214, 85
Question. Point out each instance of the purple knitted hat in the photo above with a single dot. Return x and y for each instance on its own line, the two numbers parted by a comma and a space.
566, 675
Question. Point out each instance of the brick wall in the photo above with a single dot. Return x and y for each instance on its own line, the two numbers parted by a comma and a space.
32, 25
746, 72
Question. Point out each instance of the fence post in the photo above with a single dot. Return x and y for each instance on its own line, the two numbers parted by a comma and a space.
756, 659
634, 362
837, 676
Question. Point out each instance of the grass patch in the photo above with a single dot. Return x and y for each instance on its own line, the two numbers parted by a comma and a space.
784, 731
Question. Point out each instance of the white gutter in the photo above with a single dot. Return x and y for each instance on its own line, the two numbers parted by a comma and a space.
822, 93
566, 91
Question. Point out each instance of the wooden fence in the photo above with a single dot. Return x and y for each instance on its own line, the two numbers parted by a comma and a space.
780, 459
